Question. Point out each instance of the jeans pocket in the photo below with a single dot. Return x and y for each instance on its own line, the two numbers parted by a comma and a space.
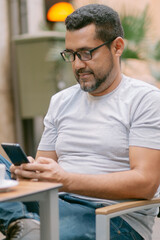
136, 236
121, 230
133, 236
115, 227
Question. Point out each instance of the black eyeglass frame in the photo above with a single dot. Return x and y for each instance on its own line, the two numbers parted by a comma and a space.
78, 54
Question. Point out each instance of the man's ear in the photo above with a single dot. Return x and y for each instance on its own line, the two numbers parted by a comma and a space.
118, 46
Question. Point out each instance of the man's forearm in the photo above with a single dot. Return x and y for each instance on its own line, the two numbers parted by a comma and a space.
120, 185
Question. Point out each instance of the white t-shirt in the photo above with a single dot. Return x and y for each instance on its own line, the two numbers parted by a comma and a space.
92, 135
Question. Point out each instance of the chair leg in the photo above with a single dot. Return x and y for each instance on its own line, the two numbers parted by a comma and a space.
102, 227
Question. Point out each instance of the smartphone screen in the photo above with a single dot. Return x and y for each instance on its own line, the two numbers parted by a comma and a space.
15, 153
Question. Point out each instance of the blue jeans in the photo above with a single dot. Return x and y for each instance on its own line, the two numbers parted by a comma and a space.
77, 217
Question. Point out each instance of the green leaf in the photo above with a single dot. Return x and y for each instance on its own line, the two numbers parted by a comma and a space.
129, 53
135, 26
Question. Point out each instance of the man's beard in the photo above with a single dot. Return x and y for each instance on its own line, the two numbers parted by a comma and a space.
98, 81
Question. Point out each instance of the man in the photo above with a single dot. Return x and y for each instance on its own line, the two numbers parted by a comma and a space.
102, 136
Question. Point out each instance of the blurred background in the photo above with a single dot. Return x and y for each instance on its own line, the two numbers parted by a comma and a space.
32, 35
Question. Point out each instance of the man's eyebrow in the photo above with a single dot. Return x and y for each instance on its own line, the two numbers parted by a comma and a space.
70, 50
79, 49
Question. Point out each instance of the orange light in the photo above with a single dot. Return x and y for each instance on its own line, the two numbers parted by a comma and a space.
59, 11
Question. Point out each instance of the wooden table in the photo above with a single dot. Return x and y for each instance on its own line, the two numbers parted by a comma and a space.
47, 195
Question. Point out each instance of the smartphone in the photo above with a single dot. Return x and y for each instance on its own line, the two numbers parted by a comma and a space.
15, 153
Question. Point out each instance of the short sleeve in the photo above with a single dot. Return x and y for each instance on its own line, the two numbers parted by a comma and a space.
145, 125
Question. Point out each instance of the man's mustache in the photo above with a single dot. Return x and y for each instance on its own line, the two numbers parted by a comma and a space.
83, 71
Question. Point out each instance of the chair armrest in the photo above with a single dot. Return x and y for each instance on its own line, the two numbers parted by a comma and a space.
104, 214
130, 206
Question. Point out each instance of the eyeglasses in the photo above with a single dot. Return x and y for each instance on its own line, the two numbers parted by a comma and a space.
84, 55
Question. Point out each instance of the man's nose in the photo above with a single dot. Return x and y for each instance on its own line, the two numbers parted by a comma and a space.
78, 63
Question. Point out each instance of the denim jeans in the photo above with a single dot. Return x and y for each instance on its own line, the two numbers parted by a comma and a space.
77, 217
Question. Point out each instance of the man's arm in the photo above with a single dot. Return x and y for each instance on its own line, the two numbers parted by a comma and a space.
141, 181
47, 154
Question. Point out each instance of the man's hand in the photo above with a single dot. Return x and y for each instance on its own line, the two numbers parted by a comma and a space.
43, 169
13, 169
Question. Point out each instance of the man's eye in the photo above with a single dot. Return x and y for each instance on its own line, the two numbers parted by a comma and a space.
68, 53
85, 53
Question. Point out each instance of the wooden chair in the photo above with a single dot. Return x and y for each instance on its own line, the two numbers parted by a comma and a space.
104, 214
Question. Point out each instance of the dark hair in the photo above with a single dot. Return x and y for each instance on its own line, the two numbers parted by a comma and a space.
106, 20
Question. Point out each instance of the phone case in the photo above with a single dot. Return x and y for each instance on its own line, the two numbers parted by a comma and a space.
15, 153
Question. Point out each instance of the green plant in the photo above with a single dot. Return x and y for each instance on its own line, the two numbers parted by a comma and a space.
135, 30
137, 44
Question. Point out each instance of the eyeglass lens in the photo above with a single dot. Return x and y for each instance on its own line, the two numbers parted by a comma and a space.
82, 55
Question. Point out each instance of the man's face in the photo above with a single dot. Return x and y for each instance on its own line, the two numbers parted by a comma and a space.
95, 75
